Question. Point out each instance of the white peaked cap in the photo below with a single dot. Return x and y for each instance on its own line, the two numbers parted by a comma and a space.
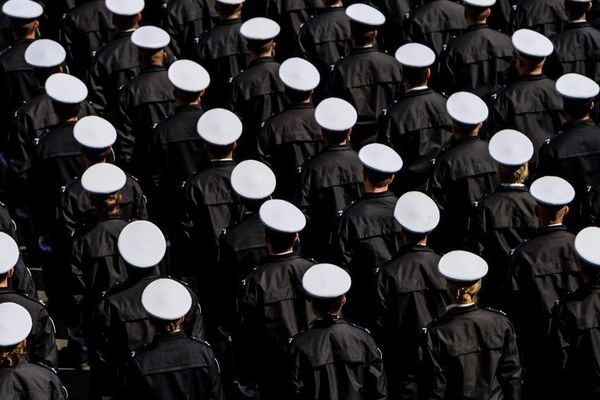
587, 245
45, 53
462, 266
253, 180
219, 127
299, 74
150, 37
125, 8
103, 178
94, 132
326, 281
188, 76
552, 191
510, 147
416, 212
230, 2
282, 216
577, 87
142, 244
166, 299
22, 9
9, 253
260, 28
15, 324
467, 108
66, 89
415, 55
335, 114
480, 3
365, 14
532, 43
380, 157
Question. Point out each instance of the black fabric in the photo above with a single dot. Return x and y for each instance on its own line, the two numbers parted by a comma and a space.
36, 380
544, 16
576, 50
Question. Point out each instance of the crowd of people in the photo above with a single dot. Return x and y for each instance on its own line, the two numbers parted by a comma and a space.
301, 199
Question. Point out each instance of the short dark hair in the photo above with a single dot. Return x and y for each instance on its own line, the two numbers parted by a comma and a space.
474, 12
185, 96
279, 241
326, 307
414, 237
4, 275
22, 27
576, 8
258, 46
377, 178
414, 76
66, 111
297, 96
225, 9
95, 155
577, 108
335, 137
362, 34
124, 21
218, 151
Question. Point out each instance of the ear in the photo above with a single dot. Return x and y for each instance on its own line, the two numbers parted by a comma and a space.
344, 300
428, 72
565, 210
10, 273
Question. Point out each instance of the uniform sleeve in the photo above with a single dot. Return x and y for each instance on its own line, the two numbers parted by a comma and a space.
509, 368
263, 144
384, 129
43, 344
75, 279
446, 76
380, 304
19, 150
342, 244
295, 368
376, 386
214, 380
100, 346
249, 328
125, 140
194, 323
435, 185
432, 377
94, 80
141, 203
67, 33
560, 343
546, 162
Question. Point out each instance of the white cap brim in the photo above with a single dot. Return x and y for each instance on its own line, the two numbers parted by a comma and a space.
531, 43
9, 253
416, 212
552, 191
260, 28
577, 87
379, 157
510, 147
103, 178
219, 127
150, 38
15, 324
299, 74
326, 281
467, 108
415, 55
335, 114
45, 53
282, 216
462, 266
66, 89
94, 132
126, 8
480, 3
587, 245
142, 244
253, 180
22, 9
365, 15
188, 76
166, 299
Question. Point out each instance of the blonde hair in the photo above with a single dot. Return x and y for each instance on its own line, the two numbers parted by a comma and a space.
518, 174
464, 294
10, 356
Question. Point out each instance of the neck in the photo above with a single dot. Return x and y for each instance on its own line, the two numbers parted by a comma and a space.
370, 188
4, 283
255, 56
408, 86
232, 17
570, 118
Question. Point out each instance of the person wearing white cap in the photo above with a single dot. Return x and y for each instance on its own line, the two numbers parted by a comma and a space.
121, 323
20, 375
416, 124
21, 280
542, 270
330, 340
332, 179
573, 341
470, 351
165, 368
409, 293
531, 104
293, 136
463, 172
366, 235
256, 93
367, 78
479, 58
268, 324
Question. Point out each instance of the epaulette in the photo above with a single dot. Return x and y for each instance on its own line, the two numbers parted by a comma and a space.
359, 327
111, 290
332, 66
132, 177
41, 364
495, 310
549, 140
512, 251
2, 204
290, 340
343, 210
4, 50
204, 342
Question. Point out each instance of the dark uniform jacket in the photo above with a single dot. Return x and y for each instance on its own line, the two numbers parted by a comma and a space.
336, 360
462, 174
417, 126
544, 16
576, 50
329, 182
530, 105
395, 11
476, 61
590, 207
223, 52
470, 353
22, 281
41, 344
36, 381
175, 367
286, 141
409, 294
369, 80
185, 21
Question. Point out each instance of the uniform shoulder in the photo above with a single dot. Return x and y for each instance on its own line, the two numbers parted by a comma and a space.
28, 299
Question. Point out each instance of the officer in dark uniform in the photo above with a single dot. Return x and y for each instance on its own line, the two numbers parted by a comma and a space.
121, 324
85, 29
367, 236
470, 352
334, 359
546, 17
573, 332
416, 124
479, 59
145, 100
293, 136
256, 93
116, 62
174, 364
331, 180
18, 375
542, 270
41, 345
531, 104
367, 78
222, 51
505, 218
273, 306
462, 173
185, 21
409, 294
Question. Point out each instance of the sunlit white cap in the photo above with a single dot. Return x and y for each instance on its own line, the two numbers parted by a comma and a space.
45, 53
379, 157
142, 244
532, 43
188, 76
587, 245
416, 212
253, 180
94, 132
467, 108
326, 281
9, 253
297, 73
22, 9
552, 191
15, 324
231, 2
480, 3
415, 55
335, 114
219, 127
65, 88
166, 299
260, 28
150, 38
365, 14
462, 266
510, 147
125, 7
577, 87
282, 216
103, 178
